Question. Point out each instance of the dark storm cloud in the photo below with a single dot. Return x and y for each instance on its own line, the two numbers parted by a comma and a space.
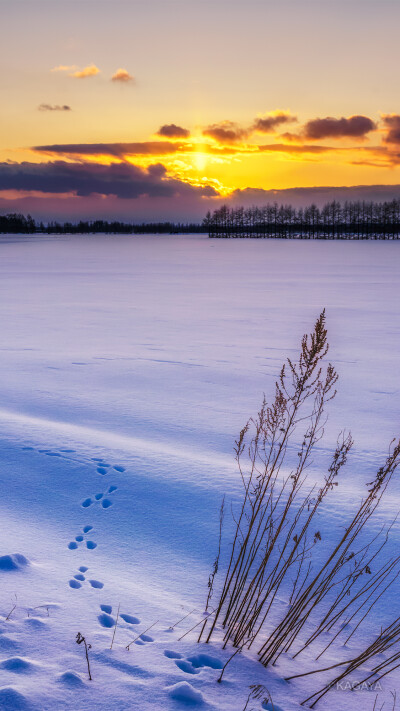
122, 180
352, 127
171, 130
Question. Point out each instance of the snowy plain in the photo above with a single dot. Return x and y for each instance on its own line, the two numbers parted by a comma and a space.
128, 366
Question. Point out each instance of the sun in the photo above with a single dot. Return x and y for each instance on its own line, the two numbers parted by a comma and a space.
199, 160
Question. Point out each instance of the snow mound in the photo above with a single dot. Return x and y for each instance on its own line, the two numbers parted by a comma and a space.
13, 561
7, 643
186, 693
271, 707
13, 700
71, 679
18, 665
36, 623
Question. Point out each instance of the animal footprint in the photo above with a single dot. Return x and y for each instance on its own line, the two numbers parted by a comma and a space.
102, 469
102, 466
170, 654
192, 665
101, 498
205, 660
143, 639
186, 666
107, 620
73, 545
77, 581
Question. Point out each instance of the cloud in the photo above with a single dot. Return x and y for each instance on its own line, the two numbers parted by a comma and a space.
65, 68
225, 132
171, 130
54, 107
139, 148
123, 76
392, 124
228, 132
73, 71
269, 122
122, 180
352, 127
292, 149
90, 71
117, 150
301, 197
184, 206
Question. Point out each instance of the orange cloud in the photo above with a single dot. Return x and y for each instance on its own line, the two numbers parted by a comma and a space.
123, 76
90, 71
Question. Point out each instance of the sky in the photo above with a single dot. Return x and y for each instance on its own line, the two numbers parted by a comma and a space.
163, 109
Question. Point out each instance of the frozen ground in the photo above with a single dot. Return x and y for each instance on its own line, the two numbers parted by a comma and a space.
128, 366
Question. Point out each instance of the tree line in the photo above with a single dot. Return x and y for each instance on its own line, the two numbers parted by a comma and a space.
19, 224
350, 220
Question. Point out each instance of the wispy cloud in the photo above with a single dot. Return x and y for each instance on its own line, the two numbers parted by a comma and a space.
294, 149
138, 148
123, 76
118, 150
65, 68
54, 107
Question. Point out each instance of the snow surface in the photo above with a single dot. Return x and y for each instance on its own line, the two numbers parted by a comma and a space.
129, 364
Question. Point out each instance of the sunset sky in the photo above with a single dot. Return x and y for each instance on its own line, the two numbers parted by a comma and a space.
164, 108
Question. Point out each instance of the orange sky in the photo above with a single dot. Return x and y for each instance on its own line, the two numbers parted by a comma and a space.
224, 95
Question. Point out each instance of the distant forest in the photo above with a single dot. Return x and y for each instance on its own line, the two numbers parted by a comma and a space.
19, 224
350, 220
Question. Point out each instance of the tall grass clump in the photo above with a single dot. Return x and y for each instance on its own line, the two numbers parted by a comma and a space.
277, 550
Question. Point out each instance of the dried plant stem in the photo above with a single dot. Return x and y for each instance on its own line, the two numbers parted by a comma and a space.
139, 635
196, 625
115, 626
182, 618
